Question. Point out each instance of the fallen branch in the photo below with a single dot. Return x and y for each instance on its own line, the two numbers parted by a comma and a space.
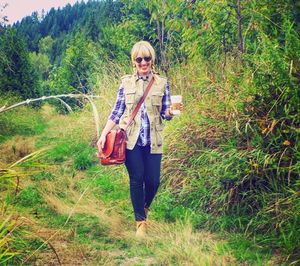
58, 97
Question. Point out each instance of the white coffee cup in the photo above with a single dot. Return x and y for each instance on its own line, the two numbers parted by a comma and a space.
176, 101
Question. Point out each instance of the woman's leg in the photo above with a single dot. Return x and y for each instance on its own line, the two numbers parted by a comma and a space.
152, 164
135, 167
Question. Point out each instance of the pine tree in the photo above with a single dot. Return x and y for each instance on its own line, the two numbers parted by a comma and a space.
16, 72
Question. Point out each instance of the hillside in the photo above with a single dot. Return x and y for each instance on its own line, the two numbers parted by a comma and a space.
229, 192
72, 211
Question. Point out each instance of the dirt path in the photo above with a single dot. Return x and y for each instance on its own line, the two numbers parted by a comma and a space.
177, 247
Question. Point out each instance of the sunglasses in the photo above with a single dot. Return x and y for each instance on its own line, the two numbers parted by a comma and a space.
140, 59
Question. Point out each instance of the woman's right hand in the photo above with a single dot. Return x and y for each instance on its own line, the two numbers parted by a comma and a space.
100, 144
101, 141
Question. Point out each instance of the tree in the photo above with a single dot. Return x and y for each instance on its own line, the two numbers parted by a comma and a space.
3, 18
76, 66
45, 45
41, 63
16, 71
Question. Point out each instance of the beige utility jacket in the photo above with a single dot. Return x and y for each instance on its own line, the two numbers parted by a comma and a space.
133, 90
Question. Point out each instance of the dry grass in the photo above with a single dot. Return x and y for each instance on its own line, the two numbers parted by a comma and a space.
17, 148
63, 250
75, 202
172, 244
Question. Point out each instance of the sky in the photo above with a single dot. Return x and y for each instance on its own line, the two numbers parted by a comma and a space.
17, 9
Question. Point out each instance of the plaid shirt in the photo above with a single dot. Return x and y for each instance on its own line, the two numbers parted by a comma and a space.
119, 108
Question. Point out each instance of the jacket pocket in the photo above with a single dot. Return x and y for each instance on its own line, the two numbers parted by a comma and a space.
156, 99
130, 97
159, 134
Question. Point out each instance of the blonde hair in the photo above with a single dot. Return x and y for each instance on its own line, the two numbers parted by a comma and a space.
145, 49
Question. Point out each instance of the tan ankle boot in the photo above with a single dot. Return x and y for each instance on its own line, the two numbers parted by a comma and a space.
147, 211
141, 228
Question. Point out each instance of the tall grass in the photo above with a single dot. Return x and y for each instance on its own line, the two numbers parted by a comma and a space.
10, 227
229, 161
7, 227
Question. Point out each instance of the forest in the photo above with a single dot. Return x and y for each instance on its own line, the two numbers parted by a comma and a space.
230, 187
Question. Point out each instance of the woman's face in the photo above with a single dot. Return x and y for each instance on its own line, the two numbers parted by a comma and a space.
143, 67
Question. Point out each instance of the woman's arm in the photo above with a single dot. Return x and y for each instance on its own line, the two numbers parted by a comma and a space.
108, 127
166, 112
113, 118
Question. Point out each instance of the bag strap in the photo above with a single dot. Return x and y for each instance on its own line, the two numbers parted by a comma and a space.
139, 104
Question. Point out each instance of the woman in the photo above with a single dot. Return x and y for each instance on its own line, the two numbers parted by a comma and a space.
144, 136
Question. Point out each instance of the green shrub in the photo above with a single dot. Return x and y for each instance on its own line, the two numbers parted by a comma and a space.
60, 152
84, 158
29, 197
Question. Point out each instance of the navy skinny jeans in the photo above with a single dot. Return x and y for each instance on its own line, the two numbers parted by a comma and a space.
144, 178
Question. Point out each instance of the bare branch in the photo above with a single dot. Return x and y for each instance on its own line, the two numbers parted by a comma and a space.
58, 97
70, 110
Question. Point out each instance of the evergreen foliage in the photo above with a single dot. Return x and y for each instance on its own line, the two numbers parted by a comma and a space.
62, 24
72, 76
17, 74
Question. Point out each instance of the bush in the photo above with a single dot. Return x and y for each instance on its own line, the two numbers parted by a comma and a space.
84, 157
29, 197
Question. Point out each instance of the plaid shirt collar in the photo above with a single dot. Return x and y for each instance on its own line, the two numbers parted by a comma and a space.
148, 77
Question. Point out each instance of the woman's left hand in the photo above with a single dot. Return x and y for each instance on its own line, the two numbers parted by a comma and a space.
178, 108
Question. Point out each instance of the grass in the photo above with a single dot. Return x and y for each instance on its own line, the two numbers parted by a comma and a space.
7, 225
29, 197
76, 203
239, 170
87, 228
246, 250
53, 199
24, 121
44, 175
